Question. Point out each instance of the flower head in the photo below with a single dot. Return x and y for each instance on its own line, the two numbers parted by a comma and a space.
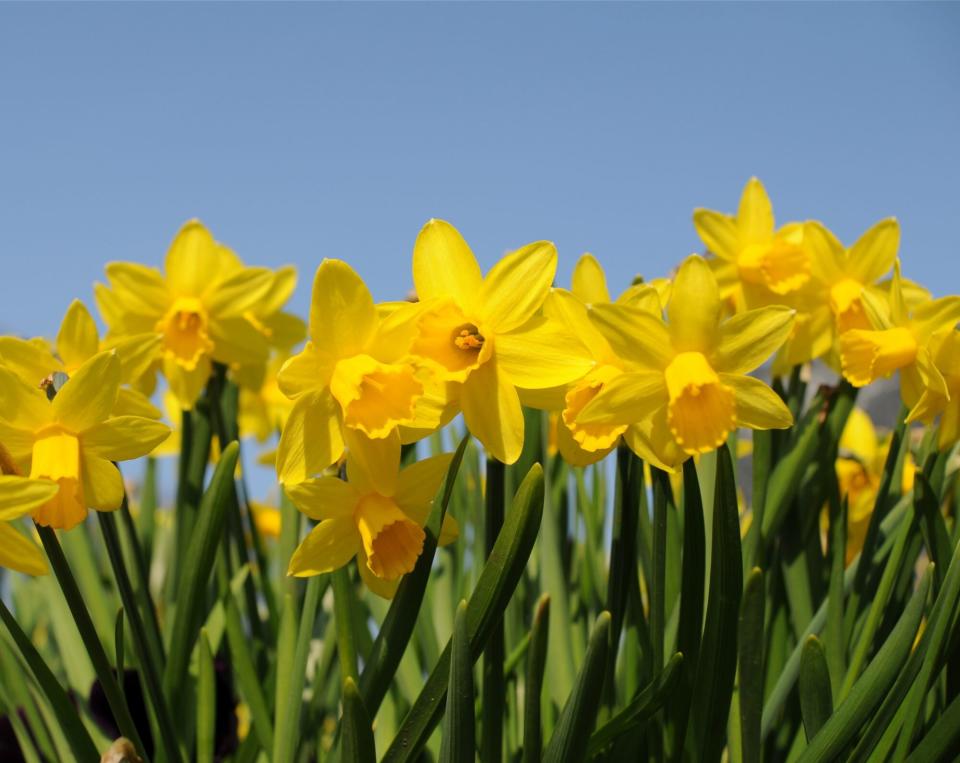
687, 387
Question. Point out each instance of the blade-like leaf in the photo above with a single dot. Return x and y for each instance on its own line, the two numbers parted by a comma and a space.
533, 687
459, 734
750, 646
357, 741
816, 694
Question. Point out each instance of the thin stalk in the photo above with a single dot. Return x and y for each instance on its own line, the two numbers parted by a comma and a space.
491, 744
141, 568
88, 633
343, 601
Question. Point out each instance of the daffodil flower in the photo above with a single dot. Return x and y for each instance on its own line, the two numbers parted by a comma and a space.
19, 496
348, 377
692, 389
77, 341
376, 516
756, 260
944, 400
484, 336
72, 439
198, 308
899, 341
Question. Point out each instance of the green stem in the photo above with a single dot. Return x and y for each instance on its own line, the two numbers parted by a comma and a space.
343, 599
491, 744
88, 633
151, 670
141, 568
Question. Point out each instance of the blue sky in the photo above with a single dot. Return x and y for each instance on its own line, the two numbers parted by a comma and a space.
305, 131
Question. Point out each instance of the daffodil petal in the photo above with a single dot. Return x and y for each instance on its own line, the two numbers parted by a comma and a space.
385, 589
652, 441
589, 282
567, 310
22, 405
747, 339
19, 495
122, 438
755, 222
329, 546
717, 231
78, 338
827, 255
491, 408
323, 498
634, 335
874, 253
131, 402
236, 340
572, 452
137, 354
311, 439
90, 394
242, 291
19, 553
758, 406
187, 383
29, 359
373, 465
541, 354
137, 289
938, 315
343, 319
694, 307
193, 261
444, 266
102, 483
418, 483
516, 286
626, 399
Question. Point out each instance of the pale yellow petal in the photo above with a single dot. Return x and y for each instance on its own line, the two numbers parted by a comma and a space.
19, 495
718, 232
311, 439
758, 406
755, 222
324, 497
939, 315
329, 546
874, 253
827, 255
90, 394
491, 409
444, 266
589, 282
541, 354
121, 438
746, 340
516, 286
78, 339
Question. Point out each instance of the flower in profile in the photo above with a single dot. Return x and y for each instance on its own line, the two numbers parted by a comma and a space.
376, 516
484, 336
945, 400
72, 438
688, 386
199, 309
19, 496
349, 376
899, 340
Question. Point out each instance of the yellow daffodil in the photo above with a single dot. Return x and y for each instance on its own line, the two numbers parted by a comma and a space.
756, 260
945, 400
72, 439
19, 496
348, 377
199, 308
693, 389
78, 340
898, 341
483, 336
267, 519
377, 515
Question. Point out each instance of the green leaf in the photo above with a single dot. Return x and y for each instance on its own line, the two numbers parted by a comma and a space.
533, 686
816, 694
572, 734
941, 739
492, 708
750, 647
206, 701
191, 598
717, 663
80, 742
251, 686
493, 591
640, 709
395, 631
357, 740
459, 733
868, 691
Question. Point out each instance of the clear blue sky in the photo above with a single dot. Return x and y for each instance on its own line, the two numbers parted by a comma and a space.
304, 131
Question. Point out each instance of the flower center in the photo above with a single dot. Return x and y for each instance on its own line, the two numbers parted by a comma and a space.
184, 330
375, 397
391, 540
702, 410
469, 339
56, 457
868, 355
450, 341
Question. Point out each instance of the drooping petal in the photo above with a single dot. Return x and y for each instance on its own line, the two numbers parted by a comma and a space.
90, 394
516, 286
491, 408
634, 335
755, 214
343, 319
747, 339
718, 233
78, 339
323, 498
874, 253
19, 553
589, 282
121, 438
373, 465
193, 262
444, 266
626, 399
694, 307
311, 439
102, 483
541, 354
19, 495
329, 546
758, 406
